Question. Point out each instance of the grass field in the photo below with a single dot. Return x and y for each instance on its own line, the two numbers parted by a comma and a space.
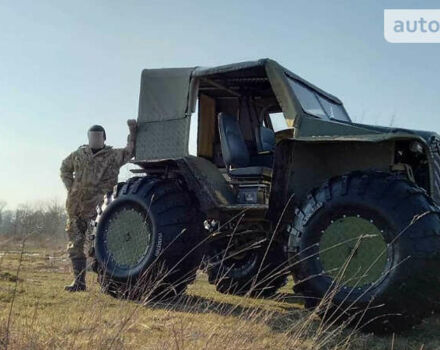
35, 313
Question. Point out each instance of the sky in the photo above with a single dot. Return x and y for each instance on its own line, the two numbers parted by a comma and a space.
66, 65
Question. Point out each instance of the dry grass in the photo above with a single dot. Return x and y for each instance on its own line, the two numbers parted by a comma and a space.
43, 316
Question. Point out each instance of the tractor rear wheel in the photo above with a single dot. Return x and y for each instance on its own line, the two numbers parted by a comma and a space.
365, 249
256, 272
147, 239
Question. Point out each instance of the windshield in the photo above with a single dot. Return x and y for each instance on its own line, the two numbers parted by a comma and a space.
317, 105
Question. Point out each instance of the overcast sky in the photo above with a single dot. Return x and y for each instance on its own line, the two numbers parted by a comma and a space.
65, 65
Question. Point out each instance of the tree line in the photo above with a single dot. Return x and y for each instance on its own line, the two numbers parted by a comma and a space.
39, 221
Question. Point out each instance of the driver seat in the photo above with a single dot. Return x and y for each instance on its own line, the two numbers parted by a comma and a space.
235, 152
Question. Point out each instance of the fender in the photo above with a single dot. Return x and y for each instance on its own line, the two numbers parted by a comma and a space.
302, 164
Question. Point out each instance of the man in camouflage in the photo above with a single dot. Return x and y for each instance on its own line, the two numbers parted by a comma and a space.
88, 173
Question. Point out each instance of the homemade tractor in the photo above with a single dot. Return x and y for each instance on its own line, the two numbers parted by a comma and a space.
283, 182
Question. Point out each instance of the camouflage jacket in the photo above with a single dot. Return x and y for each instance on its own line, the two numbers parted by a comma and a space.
89, 176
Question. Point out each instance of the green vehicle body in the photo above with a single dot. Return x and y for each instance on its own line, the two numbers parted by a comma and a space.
311, 150
349, 210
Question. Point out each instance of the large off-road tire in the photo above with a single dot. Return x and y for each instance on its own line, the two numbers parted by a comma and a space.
365, 249
147, 239
257, 272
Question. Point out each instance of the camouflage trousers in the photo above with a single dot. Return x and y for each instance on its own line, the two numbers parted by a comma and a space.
77, 229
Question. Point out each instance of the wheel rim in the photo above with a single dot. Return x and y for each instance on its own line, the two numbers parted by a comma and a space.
234, 263
128, 237
243, 261
353, 251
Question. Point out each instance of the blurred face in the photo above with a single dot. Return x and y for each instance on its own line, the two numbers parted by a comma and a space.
96, 139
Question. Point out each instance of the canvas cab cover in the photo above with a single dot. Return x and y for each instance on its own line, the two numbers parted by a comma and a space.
165, 107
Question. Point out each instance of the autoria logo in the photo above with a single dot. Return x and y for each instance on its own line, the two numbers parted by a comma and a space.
412, 26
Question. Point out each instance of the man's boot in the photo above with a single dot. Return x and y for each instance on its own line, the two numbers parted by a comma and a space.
79, 270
